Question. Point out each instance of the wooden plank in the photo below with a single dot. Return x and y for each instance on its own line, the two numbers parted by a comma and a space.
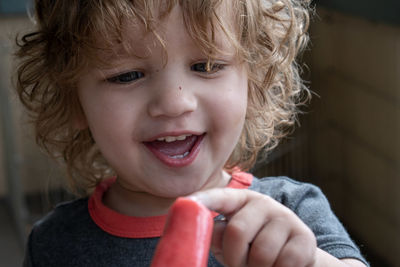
386, 11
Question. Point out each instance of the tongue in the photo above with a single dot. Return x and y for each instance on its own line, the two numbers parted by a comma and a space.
175, 148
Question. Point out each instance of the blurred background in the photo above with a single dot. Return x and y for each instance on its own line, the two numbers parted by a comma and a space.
347, 142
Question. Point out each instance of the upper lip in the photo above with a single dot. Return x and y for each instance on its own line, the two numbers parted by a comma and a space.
172, 133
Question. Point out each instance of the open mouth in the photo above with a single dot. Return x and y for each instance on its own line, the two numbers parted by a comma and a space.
176, 151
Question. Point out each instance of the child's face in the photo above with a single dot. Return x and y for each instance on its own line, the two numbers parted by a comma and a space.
141, 100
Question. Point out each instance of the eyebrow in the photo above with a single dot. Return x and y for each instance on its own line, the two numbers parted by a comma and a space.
113, 56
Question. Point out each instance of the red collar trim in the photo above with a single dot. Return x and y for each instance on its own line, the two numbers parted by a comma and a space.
121, 225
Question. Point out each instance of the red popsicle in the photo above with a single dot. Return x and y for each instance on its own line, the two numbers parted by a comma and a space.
187, 236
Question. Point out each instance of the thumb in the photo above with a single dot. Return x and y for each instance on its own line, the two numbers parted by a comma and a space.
217, 237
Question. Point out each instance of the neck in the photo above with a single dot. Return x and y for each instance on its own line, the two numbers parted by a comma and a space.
134, 203
141, 204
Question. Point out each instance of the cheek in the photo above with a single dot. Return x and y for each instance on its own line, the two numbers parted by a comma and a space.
234, 100
105, 114
230, 105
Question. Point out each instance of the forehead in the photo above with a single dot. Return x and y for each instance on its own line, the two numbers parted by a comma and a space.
137, 34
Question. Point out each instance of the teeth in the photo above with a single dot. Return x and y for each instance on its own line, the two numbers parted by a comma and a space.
181, 137
170, 139
180, 156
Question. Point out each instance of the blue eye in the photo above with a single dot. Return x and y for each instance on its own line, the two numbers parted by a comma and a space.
202, 67
127, 77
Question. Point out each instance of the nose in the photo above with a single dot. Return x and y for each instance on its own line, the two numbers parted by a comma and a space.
171, 99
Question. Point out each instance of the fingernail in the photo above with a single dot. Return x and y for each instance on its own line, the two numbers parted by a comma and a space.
193, 197
220, 218
198, 197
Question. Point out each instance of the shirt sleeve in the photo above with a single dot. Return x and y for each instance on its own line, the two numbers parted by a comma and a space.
313, 208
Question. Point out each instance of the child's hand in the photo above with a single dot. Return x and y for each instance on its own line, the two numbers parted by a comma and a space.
259, 231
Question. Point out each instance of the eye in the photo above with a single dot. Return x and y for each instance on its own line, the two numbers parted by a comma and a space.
126, 77
208, 68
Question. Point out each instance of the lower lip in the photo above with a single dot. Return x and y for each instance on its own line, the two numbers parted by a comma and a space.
178, 163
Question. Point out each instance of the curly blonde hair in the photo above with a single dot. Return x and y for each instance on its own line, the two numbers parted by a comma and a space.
267, 35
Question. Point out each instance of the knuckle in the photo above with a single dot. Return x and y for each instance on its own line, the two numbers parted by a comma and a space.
299, 253
285, 217
312, 240
309, 239
261, 255
310, 247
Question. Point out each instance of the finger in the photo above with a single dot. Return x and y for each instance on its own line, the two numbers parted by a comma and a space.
298, 251
268, 243
225, 200
241, 230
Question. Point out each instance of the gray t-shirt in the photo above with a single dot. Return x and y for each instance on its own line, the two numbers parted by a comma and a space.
69, 237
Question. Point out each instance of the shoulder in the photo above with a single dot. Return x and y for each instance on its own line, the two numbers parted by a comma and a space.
304, 199
64, 216
287, 191
52, 236
283, 182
